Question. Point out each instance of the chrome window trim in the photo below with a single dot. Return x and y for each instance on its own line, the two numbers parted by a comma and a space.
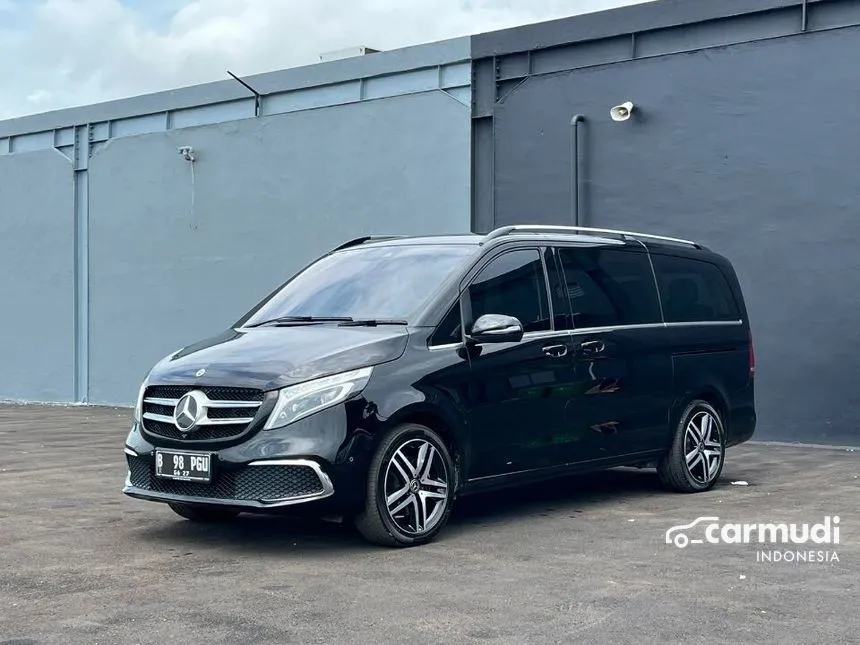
531, 335
706, 323
597, 330
549, 333
671, 325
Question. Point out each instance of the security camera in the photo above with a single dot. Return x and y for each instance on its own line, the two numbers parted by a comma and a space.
621, 112
187, 153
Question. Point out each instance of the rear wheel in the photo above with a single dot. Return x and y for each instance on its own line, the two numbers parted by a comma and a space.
410, 488
695, 461
203, 514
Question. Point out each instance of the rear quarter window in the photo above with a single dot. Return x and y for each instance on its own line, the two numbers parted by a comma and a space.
693, 290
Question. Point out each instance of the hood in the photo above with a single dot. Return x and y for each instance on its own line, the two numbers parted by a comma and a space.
268, 358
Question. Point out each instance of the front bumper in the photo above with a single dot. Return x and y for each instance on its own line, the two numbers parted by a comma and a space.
263, 484
318, 463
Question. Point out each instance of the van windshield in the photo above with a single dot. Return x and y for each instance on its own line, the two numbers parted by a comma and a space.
383, 282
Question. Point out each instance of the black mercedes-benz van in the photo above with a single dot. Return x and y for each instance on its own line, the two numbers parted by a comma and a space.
395, 374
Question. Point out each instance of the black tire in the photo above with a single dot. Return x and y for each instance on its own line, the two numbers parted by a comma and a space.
704, 470
375, 522
203, 514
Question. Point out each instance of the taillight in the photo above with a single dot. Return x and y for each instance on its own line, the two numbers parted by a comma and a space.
751, 356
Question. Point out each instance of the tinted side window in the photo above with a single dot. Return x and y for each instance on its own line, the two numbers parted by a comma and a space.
693, 290
448, 330
609, 287
513, 284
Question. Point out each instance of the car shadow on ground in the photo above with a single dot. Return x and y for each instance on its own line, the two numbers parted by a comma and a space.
572, 492
279, 535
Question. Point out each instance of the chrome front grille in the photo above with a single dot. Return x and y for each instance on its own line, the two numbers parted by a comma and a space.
227, 412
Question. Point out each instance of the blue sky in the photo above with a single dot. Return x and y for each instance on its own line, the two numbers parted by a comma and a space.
75, 52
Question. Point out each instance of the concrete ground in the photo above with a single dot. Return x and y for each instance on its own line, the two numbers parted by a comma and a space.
582, 559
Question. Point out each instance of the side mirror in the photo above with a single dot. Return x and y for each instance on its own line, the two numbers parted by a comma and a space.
496, 328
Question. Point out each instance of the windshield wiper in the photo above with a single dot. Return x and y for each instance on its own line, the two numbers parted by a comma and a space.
371, 322
286, 320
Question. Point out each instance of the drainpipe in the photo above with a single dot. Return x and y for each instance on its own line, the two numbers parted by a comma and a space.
574, 168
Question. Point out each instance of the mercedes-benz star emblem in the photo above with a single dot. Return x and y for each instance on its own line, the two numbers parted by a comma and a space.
190, 409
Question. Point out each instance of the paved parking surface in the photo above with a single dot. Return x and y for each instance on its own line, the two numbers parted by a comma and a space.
583, 559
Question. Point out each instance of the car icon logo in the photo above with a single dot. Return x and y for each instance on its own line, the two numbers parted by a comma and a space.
676, 536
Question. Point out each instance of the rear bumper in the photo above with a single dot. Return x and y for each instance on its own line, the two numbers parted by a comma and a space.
742, 428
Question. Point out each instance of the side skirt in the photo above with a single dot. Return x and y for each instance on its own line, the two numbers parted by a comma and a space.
507, 480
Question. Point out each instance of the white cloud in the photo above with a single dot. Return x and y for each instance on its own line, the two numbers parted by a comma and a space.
73, 52
39, 96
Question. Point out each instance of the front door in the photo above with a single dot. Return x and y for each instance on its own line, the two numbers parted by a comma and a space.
518, 391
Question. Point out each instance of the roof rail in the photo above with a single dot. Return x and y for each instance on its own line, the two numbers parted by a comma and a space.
366, 238
545, 228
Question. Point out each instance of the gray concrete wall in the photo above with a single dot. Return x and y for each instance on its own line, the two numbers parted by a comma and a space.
269, 195
750, 148
114, 254
36, 277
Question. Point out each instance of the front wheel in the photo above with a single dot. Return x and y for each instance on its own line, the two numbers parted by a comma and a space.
695, 461
202, 514
410, 488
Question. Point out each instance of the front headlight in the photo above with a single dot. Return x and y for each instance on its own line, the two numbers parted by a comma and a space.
298, 401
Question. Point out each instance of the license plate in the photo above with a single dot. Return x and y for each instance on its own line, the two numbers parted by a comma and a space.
185, 466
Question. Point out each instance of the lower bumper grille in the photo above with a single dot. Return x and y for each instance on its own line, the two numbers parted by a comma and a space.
249, 483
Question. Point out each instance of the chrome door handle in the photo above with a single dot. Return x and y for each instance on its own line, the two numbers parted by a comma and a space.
592, 347
555, 351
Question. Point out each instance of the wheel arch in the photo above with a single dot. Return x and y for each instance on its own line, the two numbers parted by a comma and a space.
441, 422
710, 394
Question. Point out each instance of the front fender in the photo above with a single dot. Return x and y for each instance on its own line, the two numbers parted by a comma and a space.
431, 407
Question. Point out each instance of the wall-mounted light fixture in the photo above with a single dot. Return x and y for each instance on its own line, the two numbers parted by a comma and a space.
187, 153
622, 112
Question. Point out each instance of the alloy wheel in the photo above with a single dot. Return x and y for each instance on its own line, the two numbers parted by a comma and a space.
703, 448
416, 487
